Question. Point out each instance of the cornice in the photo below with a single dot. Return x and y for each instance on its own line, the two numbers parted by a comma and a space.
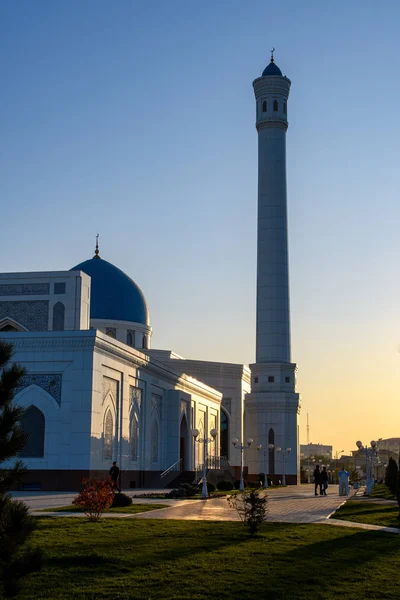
130, 357
272, 124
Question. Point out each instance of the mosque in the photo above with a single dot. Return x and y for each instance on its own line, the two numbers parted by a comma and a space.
96, 391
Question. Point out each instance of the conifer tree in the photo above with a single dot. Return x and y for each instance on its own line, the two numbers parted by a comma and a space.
391, 475
16, 558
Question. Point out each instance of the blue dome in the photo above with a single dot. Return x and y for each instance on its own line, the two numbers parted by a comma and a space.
272, 69
114, 295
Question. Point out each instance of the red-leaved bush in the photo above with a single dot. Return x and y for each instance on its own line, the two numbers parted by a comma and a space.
95, 497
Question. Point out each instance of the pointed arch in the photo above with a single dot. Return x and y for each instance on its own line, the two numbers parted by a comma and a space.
8, 324
33, 427
264, 106
276, 106
134, 436
108, 435
58, 316
271, 452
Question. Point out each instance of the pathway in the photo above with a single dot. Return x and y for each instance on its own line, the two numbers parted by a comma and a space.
293, 504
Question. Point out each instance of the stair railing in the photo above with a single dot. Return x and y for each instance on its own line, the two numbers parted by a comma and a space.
177, 466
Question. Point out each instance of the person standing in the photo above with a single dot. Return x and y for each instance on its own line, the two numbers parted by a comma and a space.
324, 477
343, 482
114, 474
317, 480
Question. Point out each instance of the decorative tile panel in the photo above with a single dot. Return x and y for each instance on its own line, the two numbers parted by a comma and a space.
135, 398
156, 403
24, 289
50, 382
110, 385
32, 314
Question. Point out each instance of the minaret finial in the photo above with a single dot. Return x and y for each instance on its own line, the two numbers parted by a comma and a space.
272, 54
96, 252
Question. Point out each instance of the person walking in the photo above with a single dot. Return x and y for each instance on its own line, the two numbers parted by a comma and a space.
324, 477
317, 480
114, 474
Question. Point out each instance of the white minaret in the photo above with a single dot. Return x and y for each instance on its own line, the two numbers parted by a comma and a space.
272, 407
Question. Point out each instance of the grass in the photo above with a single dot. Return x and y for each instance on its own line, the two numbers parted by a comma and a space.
380, 490
197, 560
131, 509
369, 512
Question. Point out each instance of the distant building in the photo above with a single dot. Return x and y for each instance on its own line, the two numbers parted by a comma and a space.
307, 450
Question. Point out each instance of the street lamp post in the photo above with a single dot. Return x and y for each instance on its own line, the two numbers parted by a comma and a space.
284, 452
242, 448
370, 455
205, 441
266, 452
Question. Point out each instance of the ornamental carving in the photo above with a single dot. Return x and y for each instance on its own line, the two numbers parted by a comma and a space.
156, 403
24, 289
49, 382
135, 398
110, 385
32, 314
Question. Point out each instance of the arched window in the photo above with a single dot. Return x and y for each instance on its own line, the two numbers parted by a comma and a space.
271, 453
285, 107
224, 434
264, 106
276, 107
33, 426
130, 338
108, 436
154, 442
58, 316
134, 438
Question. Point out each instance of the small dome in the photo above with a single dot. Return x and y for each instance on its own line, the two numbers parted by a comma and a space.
272, 69
114, 295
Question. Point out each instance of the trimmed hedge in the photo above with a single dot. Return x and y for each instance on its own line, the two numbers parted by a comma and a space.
121, 500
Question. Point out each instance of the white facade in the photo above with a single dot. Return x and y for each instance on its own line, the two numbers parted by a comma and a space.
272, 406
103, 401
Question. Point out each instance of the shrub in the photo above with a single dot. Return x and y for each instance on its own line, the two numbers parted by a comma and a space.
121, 500
210, 487
251, 507
95, 498
225, 486
186, 490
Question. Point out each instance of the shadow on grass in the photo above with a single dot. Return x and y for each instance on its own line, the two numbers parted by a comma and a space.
163, 559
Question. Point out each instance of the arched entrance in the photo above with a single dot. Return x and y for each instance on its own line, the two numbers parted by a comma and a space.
183, 448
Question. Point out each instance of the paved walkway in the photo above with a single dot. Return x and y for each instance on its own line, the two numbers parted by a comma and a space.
293, 504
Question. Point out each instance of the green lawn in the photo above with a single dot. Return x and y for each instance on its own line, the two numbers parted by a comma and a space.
193, 560
369, 512
380, 490
131, 509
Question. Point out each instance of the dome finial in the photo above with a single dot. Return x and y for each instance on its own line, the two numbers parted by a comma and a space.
96, 252
272, 54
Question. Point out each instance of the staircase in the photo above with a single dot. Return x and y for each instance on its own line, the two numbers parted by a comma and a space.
183, 477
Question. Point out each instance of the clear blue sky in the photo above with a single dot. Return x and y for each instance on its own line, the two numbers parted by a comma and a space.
136, 120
